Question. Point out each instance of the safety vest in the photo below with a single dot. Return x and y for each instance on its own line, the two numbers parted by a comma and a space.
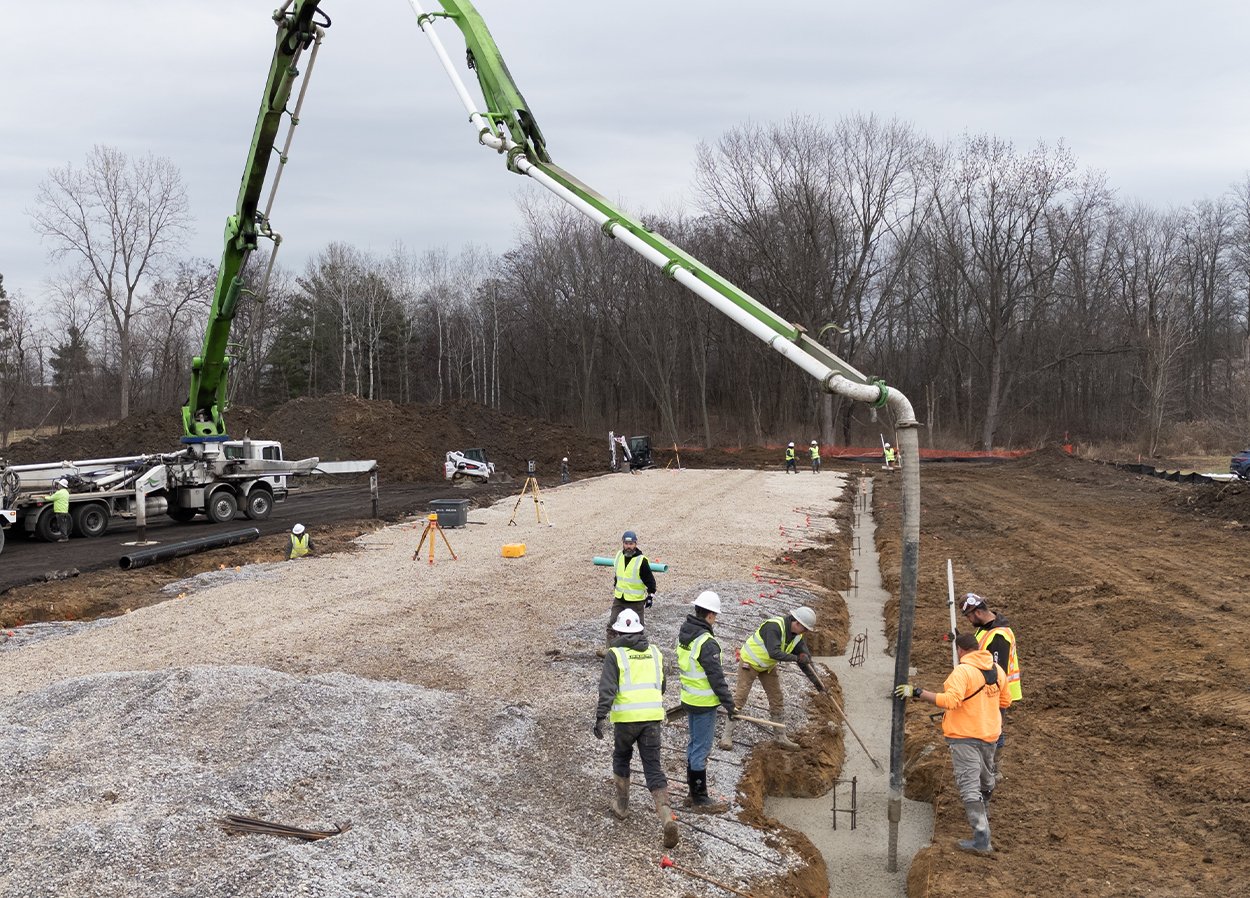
755, 653
815, 453
889, 456
789, 454
1013, 659
638, 696
696, 690
299, 545
629, 585
60, 501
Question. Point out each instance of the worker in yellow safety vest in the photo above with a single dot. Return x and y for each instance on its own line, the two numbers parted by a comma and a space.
631, 690
703, 690
60, 508
776, 639
994, 634
815, 457
633, 588
888, 451
301, 543
792, 463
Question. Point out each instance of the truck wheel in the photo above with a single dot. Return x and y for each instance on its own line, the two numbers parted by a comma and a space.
258, 504
222, 507
182, 515
45, 526
91, 519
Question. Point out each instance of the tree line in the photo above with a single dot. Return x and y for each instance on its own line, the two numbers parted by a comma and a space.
1009, 293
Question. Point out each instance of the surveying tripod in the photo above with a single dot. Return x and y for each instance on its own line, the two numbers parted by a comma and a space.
432, 528
540, 510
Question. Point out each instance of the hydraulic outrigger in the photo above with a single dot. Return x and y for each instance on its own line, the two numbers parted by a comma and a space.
507, 125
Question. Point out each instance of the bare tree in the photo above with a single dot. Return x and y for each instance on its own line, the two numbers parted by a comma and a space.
118, 221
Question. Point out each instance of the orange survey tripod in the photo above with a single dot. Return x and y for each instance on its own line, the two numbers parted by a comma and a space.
431, 528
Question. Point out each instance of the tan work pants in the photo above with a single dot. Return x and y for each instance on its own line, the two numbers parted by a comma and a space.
770, 680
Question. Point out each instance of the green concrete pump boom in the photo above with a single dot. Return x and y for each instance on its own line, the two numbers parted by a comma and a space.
508, 126
298, 28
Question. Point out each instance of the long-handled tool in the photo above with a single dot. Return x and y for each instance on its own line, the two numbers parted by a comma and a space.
666, 862
240, 824
846, 720
950, 600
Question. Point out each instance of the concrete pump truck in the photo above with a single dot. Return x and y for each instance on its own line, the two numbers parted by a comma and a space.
211, 475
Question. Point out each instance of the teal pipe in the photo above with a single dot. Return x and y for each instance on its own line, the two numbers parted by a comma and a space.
658, 566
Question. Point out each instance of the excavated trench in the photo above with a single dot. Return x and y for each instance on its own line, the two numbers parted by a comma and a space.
846, 823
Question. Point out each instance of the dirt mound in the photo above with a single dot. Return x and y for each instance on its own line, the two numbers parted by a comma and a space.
408, 441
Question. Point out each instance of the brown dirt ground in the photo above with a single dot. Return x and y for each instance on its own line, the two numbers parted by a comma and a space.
1124, 771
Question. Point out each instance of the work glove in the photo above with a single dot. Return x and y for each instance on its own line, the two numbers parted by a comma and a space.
907, 691
650, 601
598, 728
805, 658
732, 712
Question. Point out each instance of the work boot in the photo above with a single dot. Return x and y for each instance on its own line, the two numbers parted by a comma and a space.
979, 820
620, 804
601, 652
699, 799
781, 737
665, 814
726, 737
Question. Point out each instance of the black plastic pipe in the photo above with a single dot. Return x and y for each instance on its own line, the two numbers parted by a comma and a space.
144, 557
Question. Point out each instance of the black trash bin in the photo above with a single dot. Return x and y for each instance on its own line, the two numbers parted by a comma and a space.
451, 512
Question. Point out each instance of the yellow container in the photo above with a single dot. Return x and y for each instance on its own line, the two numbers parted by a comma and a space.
514, 550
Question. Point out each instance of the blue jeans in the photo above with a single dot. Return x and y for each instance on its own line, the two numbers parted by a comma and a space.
702, 727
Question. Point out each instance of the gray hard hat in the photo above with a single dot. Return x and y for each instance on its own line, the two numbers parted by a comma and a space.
805, 616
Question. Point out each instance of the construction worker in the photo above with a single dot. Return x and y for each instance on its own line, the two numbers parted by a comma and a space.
60, 509
301, 543
776, 639
631, 689
889, 456
634, 587
994, 634
792, 463
972, 696
564, 469
815, 457
703, 689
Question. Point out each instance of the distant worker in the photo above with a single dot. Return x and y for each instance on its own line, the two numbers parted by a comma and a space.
301, 543
994, 634
776, 639
564, 469
972, 697
815, 457
60, 509
889, 456
634, 586
792, 463
631, 690
703, 689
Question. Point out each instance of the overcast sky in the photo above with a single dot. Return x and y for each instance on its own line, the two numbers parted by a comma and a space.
1154, 94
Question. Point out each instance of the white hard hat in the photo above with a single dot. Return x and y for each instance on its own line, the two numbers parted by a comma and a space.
297, 529
566, 458
628, 622
805, 616
887, 445
813, 442
62, 482
791, 442
708, 600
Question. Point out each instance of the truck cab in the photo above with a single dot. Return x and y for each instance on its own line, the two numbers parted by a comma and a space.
265, 450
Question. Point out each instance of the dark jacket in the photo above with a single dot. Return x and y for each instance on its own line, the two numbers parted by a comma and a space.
709, 659
610, 677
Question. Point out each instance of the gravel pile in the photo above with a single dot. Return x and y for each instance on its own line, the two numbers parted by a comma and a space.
443, 710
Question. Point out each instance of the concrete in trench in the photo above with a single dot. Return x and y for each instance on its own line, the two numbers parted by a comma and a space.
856, 859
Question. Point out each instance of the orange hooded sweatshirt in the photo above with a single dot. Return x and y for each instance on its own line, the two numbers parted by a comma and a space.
969, 715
